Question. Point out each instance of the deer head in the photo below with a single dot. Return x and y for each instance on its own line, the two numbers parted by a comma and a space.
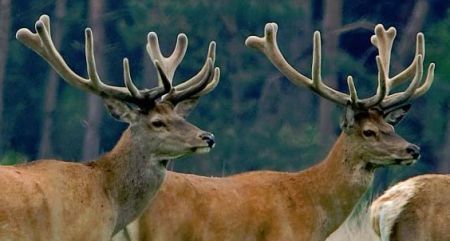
156, 116
368, 123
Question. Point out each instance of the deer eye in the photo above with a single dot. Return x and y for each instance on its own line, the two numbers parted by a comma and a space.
369, 133
158, 123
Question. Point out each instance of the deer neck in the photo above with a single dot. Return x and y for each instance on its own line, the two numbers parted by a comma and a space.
132, 177
336, 184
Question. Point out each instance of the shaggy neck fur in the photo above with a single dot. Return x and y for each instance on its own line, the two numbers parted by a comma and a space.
336, 184
133, 175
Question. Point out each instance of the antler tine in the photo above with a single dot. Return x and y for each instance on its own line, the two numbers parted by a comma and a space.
90, 59
409, 71
268, 45
42, 44
168, 64
427, 83
352, 89
318, 85
202, 83
142, 96
128, 81
146, 94
383, 40
316, 67
193, 90
211, 55
381, 89
400, 98
45, 19
212, 82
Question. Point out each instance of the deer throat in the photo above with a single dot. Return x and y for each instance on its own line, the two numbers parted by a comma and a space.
135, 192
133, 178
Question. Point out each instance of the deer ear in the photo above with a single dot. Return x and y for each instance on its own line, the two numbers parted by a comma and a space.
349, 118
121, 111
393, 117
185, 107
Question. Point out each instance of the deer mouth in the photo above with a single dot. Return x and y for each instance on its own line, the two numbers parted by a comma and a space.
406, 162
201, 149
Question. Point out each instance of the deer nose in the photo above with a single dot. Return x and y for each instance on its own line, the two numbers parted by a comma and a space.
208, 138
413, 150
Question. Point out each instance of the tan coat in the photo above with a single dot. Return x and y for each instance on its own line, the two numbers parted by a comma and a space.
272, 206
416, 209
53, 200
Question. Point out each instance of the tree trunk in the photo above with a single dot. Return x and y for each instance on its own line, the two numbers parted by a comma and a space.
407, 45
332, 20
236, 98
51, 90
91, 142
5, 12
267, 116
272, 102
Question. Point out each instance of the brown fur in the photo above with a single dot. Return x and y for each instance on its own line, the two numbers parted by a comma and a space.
426, 215
264, 205
53, 200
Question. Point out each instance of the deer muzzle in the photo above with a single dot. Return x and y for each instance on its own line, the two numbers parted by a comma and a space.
208, 138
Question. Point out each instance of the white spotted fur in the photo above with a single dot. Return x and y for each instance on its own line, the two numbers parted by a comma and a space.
385, 210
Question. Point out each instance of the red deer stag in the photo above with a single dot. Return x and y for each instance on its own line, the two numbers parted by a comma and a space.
307, 205
57, 200
415, 209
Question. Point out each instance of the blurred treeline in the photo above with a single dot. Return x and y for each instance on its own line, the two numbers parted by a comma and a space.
260, 119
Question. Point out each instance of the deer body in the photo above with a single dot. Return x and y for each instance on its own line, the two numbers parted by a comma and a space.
415, 209
261, 205
106, 194
32, 206
308, 205
55, 200
60, 201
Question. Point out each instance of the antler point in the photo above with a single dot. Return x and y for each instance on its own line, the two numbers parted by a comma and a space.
420, 37
22, 33
217, 73
379, 27
152, 35
212, 50
271, 28
317, 34
44, 17
182, 38
251, 41
39, 25
374, 40
392, 32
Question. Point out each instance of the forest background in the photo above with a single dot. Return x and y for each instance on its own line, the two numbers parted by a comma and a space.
260, 119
